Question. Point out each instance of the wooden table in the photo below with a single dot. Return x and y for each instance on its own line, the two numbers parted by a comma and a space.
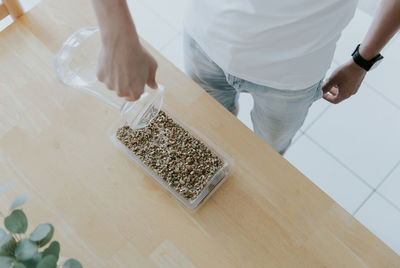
109, 213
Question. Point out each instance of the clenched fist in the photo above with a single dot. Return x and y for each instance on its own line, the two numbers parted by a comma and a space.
126, 67
343, 83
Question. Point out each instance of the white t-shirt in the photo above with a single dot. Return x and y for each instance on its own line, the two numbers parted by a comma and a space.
285, 44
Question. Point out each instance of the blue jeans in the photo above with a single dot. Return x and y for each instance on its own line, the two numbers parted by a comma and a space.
277, 114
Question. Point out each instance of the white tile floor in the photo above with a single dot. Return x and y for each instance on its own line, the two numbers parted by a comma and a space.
352, 150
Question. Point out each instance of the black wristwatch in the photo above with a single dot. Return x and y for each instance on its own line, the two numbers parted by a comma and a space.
366, 64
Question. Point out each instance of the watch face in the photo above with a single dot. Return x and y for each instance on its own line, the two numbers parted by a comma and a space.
376, 64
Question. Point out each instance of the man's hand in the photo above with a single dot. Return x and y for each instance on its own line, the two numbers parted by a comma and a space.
346, 80
343, 83
126, 67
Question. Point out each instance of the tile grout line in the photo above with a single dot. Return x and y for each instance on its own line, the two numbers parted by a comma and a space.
381, 183
388, 200
298, 138
340, 162
369, 196
375, 190
363, 203
317, 118
383, 96
388, 175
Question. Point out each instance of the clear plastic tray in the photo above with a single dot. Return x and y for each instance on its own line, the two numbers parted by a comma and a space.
216, 181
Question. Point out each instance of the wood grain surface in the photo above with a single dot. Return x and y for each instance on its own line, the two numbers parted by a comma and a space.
107, 212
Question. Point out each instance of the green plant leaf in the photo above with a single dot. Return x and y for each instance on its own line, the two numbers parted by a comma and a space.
48, 262
7, 246
19, 265
7, 243
25, 250
5, 187
32, 263
53, 249
72, 263
6, 262
42, 234
3, 234
18, 201
16, 222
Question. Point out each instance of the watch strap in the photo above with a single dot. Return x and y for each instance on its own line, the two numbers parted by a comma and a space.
363, 63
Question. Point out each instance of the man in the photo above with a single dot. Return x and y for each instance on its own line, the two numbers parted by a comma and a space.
278, 51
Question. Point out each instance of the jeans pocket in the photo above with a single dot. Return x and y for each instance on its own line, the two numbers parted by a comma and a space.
318, 93
234, 81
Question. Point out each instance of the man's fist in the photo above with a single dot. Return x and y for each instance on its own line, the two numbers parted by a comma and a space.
343, 83
125, 66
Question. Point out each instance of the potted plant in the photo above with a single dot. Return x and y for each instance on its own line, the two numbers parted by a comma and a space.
20, 250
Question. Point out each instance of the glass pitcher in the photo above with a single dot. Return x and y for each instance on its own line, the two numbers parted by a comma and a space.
75, 65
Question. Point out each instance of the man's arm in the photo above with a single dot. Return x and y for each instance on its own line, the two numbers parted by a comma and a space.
124, 65
345, 80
